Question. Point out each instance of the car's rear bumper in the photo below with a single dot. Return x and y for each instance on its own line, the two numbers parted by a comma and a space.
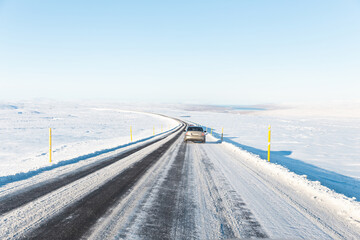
195, 138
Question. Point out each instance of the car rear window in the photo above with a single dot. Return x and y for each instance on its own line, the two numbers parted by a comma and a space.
195, 129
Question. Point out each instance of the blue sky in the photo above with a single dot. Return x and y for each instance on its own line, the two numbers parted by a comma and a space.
209, 52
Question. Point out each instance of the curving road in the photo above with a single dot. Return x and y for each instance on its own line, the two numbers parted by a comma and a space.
164, 189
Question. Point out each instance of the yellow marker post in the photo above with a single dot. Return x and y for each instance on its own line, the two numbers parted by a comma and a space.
131, 133
50, 145
211, 131
269, 143
153, 131
222, 134
161, 128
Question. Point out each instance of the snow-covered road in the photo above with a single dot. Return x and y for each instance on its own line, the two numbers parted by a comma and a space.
187, 191
206, 191
281, 211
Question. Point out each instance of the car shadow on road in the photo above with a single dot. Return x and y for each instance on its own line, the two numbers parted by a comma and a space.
348, 186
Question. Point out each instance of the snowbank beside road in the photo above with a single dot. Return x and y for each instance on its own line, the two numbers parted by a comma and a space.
79, 131
304, 191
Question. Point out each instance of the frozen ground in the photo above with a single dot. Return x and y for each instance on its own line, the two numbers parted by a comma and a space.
200, 191
194, 191
223, 193
320, 142
79, 131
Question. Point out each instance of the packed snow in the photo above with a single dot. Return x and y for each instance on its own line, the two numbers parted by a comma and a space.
310, 187
323, 145
79, 131
226, 191
320, 142
19, 222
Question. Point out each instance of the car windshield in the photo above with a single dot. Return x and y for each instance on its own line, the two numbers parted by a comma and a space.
195, 129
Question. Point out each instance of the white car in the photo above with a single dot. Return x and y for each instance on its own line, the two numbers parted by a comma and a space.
195, 134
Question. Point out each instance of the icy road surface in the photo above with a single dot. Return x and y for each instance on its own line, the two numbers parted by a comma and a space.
203, 191
186, 191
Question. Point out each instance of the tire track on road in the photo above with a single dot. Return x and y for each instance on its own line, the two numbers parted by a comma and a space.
234, 220
171, 215
18, 199
78, 218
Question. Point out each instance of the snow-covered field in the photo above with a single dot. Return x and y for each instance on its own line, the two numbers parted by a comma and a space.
78, 132
320, 142
222, 183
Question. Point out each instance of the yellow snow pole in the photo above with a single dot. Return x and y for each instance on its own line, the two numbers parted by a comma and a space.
153, 131
222, 134
161, 128
211, 131
50, 145
131, 133
269, 143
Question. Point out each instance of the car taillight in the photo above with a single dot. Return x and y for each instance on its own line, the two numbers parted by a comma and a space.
202, 134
